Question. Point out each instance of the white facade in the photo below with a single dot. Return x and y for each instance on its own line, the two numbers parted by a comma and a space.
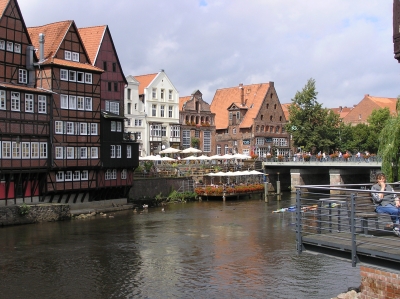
155, 114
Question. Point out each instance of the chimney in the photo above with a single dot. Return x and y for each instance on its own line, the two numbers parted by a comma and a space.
340, 108
41, 43
241, 94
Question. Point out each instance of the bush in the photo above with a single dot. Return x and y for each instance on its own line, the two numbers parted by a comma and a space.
24, 209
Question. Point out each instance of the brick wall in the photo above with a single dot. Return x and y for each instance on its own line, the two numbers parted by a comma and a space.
377, 283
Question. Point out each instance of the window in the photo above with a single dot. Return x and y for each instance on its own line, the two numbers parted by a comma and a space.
26, 150
114, 66
72, 76
260, 141
112, 151
72, 102
218, 150
42, 104
163, 131
59, 152
43, 150
114, 174
128, 108
94, 152
17, 48
64, 101
58, 127
2, 99
154, 93
113, 126
170, 94
35, 150
6, 149
119, 126
75, 56
135, 106
114, 107
23, 76
15, 101
138, 122
109, 85
67, 55
77, 175
83, 152
118, 151
226, 149
64, 75
128, 93
207, 141
123, 174
105, 65
129, 151
175, 131
81, 103
153, 110
234, 131
162, 94
238, 115
162, 109
2, 44
107, 175
93, 129
115, 86
28, 102
88, 104
186, 138
10, 46
88, 78
230, 115
139, 135
83, 128
155, 130
80, 77
70, 128
70, 153
60, 176
84, 175
68, 176
275, 106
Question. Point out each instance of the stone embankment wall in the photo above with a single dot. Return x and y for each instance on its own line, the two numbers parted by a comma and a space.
11, 215
379, 283
150, 188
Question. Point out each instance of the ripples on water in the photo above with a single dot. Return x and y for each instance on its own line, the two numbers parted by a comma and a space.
237, 249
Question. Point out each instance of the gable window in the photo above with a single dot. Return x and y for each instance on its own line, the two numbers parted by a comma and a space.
114, 66
128, 93
72, 76
10, 46
67, 55
105, 65
88, 78
64, 75
154, 93
230, 116
28, 102
80, 77
17, 48
2, 44
153, 110
170, 94
15, 101
22, 76
75, 56
2, 99
115, 86
162, 94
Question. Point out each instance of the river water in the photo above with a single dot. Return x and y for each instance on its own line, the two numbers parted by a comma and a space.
209, 249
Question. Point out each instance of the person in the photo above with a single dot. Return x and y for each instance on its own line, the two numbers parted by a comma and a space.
387, 203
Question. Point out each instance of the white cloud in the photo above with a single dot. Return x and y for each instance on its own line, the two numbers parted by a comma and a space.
346, 46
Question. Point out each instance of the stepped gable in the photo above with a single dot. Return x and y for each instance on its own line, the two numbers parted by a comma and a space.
144, 81
253, 97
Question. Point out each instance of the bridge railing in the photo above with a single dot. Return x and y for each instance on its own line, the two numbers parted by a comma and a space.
344, 219
321, 159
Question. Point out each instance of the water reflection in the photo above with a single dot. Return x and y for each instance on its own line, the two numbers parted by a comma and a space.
236, 249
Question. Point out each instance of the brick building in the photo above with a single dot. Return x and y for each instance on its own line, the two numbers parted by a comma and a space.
250, 119
197, 123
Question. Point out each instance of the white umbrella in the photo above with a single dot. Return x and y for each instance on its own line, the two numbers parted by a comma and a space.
216, 157
190, 158
227, 157
191, 150
255, 172
167, 159
170, 150
203, 157
150, 158
241, 156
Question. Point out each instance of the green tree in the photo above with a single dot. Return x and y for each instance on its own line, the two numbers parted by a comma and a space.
377, 121
310, 125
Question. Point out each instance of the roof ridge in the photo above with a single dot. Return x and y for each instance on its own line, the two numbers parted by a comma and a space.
53, 23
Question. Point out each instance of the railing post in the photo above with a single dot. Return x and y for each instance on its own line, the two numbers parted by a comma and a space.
353, 230
299, 243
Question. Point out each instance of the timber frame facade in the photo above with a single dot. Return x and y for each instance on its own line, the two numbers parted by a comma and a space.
54, 145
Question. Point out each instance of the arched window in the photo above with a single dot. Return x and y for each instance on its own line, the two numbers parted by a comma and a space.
257, 128
277, 129
262, 128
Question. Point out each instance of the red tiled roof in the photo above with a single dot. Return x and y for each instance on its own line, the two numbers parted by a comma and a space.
73, 64
254, 95
3, 5
342, 111
183, 100
385, 102
54, 35
144, 81
285, 108
92, 38
24, 88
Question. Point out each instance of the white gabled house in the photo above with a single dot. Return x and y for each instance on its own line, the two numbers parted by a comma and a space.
152, 109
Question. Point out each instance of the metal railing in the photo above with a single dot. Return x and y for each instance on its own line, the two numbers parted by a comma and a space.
344, 219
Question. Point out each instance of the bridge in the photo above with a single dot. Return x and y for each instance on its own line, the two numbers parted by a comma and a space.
292, 173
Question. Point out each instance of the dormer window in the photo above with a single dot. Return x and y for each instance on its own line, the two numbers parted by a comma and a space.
67, 55
230, 115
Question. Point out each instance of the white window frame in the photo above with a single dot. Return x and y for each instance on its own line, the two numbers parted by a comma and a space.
84, 175
29, 103
88, 104
113, 126
112, 151
82, 128
67, 55
107, 175
15, 101
2, 99
68, 176
76, 175
80, 77
60, 176
80, 103
83, 152
94, 153
72, 76
17, 48
93, 129
154, 93
70, 152
63, 75
123, 174
75, 56
26, 150
6, 149
43, 150
58, 127
34, 150
119, 126
22, 76
64, 101
70, 128
170, 111
154, 110
88, 78
118, 151
114, 174
129, 151
162, 110
170, 94
72, 103
2, 44
42, 104
59, 152
10, 46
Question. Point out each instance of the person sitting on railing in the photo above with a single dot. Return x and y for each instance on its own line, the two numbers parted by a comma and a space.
387, 203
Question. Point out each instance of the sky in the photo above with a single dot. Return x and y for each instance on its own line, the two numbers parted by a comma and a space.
345, 45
